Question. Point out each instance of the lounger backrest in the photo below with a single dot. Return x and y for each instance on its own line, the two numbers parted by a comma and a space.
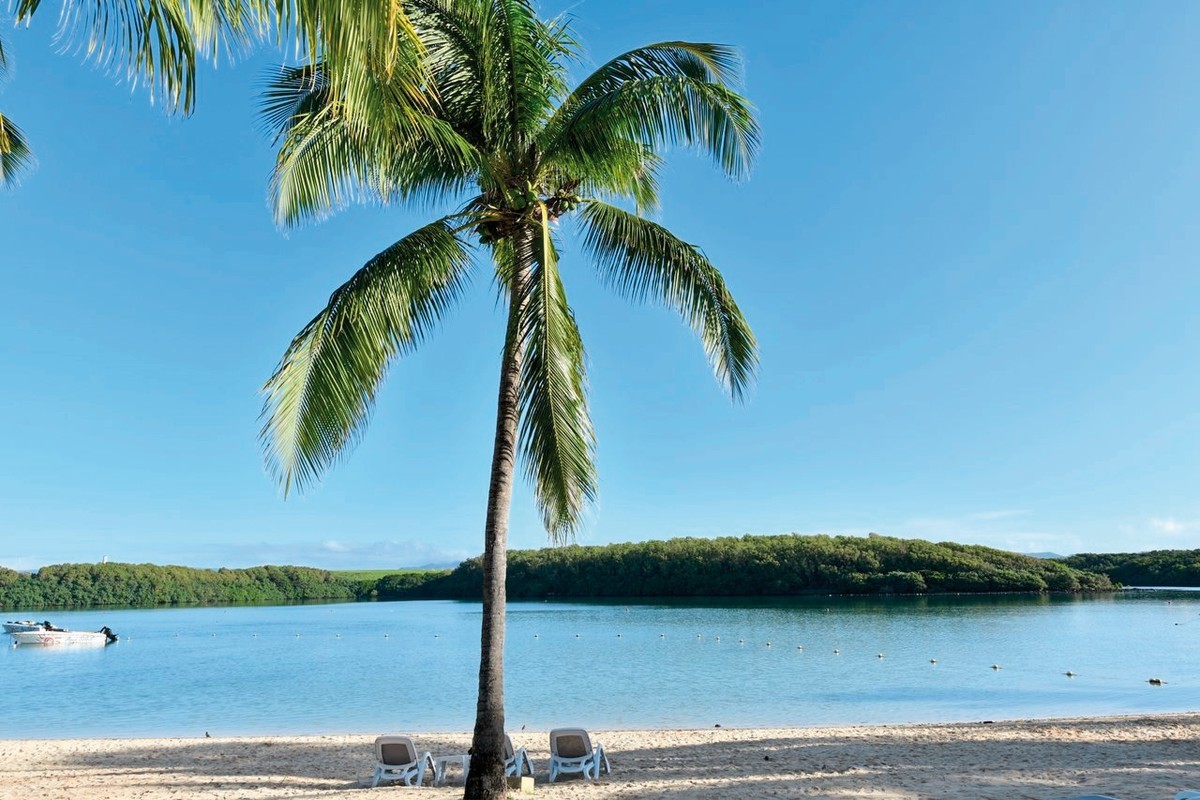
395, 750
509, 752
570, 743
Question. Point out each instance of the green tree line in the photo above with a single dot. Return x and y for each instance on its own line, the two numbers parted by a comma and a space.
755, 566
147, 585
1152, 568
744, 566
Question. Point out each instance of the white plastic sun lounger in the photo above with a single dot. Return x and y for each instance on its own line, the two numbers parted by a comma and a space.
516, 761
571, 751
396, 759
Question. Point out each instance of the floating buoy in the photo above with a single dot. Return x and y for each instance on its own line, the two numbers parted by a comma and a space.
879, 655
933, 661
1069, 674
768, 644
995, 666
837, 652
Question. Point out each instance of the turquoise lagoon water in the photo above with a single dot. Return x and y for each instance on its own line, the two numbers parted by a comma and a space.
372, 667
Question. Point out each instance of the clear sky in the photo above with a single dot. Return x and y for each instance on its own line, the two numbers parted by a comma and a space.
969, 252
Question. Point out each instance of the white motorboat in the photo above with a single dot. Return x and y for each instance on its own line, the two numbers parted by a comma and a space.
22, 626
55, 637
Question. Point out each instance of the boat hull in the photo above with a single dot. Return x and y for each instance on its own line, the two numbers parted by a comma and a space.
22, 626
60, 638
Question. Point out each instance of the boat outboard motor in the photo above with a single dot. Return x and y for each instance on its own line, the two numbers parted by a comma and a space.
107, 631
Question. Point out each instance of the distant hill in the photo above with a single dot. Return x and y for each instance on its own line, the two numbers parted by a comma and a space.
1152, 568
756, 566
1044, 555
744, 566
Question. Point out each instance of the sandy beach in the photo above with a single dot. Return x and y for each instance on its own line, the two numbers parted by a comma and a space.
1133, 758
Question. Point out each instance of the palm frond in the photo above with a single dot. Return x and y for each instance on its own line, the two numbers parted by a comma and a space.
666, 94
319, 399
643, 260
327, 159
522, 72
15, 155
556, 438
156, 42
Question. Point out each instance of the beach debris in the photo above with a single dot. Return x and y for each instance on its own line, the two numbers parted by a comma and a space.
1156, 681
995, 666
988, 722
766, 758
717, 725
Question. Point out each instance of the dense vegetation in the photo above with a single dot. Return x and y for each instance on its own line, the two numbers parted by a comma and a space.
756, 565
728, 567
1153, 568
145, 585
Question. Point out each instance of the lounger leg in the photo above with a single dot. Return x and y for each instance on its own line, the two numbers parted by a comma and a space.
602, 756
553, 770
376, 777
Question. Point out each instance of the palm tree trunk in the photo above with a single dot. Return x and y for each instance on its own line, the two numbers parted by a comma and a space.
485, 780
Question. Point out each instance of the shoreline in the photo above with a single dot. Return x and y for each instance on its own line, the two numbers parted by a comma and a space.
1137, 757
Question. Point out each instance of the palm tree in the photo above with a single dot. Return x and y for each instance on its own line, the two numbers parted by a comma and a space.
159, 42
498, 129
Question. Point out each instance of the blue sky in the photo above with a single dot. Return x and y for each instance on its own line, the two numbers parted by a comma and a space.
968, 251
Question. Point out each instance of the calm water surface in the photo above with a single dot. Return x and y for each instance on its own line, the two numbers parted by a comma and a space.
373, 667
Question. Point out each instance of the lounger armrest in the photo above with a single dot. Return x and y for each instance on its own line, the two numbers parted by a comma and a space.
601, 756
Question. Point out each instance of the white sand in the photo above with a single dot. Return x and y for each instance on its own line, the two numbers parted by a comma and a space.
1133, 758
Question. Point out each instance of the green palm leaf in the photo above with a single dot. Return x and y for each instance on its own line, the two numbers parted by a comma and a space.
557, 442
643, 260
664, 94
318, 401
15, 155
327, 159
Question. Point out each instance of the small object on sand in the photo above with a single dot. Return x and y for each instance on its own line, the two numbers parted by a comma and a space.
717, 725
207, 735
766, 758
1156, 681
988, 722
995, 666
